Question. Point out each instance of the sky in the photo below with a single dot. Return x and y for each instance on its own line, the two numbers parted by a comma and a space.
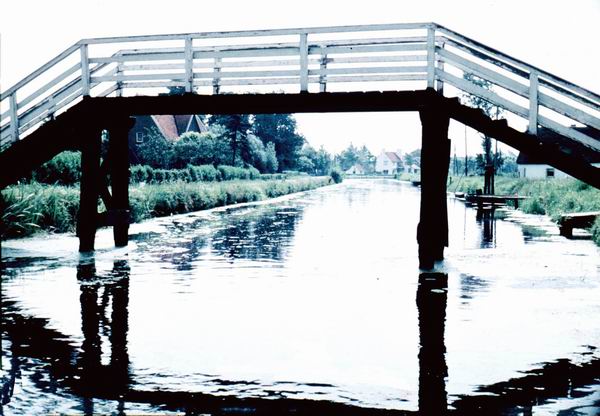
558, 36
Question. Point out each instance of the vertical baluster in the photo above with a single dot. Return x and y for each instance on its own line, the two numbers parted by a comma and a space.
189, 65
323, 77
440, 65
304, 62
430, 57
85, 70
14, 119
217, 78
119, 83
533, 102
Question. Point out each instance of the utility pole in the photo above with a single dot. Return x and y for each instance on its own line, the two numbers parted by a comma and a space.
466, 154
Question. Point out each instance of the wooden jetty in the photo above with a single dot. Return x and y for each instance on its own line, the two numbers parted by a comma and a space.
481, 199
568, 221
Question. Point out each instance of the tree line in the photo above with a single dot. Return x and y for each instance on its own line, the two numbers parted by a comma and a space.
267, 142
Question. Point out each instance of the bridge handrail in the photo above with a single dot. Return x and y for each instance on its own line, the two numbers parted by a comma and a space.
368, 59
524, 66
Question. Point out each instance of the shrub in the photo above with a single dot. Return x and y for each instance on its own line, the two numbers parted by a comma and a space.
62, 169
336, 175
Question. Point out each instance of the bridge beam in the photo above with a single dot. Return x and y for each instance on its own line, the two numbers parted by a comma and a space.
89, 188
432, 231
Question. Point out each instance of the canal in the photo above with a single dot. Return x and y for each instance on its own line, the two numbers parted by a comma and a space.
310, 304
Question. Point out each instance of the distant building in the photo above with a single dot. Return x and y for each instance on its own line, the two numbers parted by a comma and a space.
356, 170
170, 126
413, 168
532, 167
388, 163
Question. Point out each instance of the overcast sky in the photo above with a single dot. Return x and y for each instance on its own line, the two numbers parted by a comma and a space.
558, 36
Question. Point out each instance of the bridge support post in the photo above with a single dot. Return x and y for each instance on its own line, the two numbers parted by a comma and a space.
118, 158
87, 221
432, 231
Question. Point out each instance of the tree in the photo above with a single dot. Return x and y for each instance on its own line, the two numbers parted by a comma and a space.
200, 149
491, 111
322, 162
366, 159
271, 162
155, 151
305, 164
307, 159
413, 158
236, 130
349, 157
280, 129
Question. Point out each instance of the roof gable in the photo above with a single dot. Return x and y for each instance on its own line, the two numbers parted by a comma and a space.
393, 156
167, 126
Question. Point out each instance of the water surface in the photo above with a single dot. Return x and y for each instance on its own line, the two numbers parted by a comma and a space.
312, 303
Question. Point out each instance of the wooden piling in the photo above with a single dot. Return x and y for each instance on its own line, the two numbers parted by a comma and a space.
87, 220
118, 162
432, 231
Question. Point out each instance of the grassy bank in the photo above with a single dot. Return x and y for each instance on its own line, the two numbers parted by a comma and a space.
551, 197
31, 207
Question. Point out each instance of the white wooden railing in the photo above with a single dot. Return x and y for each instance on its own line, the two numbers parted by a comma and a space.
347, 58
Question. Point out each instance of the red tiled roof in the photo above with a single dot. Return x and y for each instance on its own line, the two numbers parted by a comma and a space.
393, 156
166, 125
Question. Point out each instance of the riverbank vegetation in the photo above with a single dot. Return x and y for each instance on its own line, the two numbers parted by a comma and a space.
233, 159
27, 208
546, 197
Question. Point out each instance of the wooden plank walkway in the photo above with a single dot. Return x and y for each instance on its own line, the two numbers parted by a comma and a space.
494, 199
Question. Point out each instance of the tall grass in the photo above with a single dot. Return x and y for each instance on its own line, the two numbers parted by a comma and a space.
27, 208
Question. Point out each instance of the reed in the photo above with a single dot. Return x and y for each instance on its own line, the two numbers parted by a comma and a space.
27, 208
551, 197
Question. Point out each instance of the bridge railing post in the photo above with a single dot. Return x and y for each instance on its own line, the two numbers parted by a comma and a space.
119, 83
216, 79
85, 70
304, 62
430, 56
440, 65
533, 102
189, 65
14, 118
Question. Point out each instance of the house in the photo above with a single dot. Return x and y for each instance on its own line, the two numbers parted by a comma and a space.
170, 126
413, 169
356, 169
533, 167
388, 163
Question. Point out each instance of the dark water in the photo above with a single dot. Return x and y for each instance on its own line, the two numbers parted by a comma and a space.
310, 305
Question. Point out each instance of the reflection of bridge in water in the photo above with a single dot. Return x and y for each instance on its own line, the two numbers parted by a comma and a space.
95, 84
99, 368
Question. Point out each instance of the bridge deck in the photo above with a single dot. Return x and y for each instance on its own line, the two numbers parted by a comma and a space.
388, 57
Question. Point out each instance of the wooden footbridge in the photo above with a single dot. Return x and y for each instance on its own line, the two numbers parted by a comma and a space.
96, 85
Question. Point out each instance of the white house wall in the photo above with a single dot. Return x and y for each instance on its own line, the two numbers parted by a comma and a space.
538, 172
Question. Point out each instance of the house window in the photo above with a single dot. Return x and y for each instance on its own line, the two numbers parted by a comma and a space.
139, 137
550, 173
